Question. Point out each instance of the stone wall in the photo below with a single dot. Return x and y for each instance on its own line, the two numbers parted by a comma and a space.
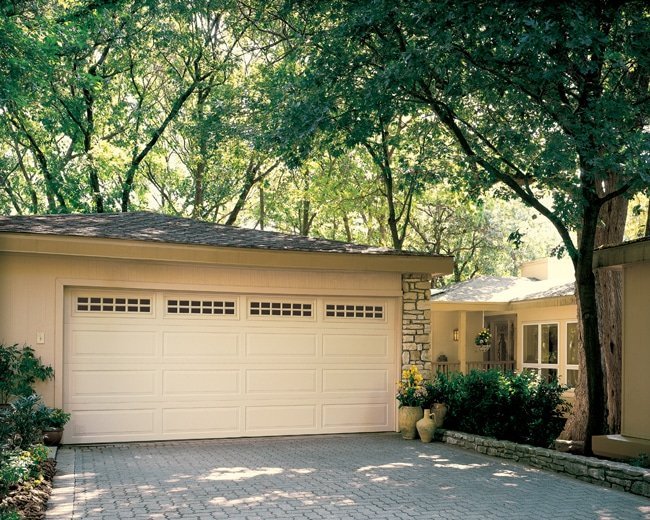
416, 322
604, 473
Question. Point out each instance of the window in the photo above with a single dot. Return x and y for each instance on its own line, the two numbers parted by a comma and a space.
571, 379
541, 347
113, 304
281, 309
336, 310
201, 307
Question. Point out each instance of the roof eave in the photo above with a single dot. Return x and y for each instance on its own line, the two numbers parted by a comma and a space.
622, 254
231, 256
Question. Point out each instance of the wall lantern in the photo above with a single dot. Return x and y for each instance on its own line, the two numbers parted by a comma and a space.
456, 334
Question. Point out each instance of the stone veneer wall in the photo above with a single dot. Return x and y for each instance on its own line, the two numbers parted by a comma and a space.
616, 475
416, 322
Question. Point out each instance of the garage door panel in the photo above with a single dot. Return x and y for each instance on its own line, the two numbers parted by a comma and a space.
359, 380
201, 382
111, 422
373, 347
107, 343
275, 381
189, 345
261, 419
359, 416
287, 345
205, 420
110, 383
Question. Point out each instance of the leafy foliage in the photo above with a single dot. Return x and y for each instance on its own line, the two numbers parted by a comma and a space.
515, 407
23, 423
17, 466
19, 370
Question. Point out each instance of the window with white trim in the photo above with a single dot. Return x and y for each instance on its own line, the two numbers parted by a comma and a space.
202, 307
280, 309
346, 310
572, 372
113, 304
541, 348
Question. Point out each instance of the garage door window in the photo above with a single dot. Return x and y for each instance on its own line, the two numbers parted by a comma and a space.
340, 310
280, 309
202, 307
113, 304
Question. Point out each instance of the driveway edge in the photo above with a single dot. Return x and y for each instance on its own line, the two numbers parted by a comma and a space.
61, 502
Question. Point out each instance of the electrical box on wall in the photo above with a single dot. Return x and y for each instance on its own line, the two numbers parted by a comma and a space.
40, 338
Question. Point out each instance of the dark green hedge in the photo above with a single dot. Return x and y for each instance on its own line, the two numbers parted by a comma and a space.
514, 407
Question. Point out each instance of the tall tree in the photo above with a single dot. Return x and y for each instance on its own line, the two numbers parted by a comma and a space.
543, 99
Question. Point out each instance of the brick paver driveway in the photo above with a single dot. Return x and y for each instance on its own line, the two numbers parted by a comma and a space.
375, 476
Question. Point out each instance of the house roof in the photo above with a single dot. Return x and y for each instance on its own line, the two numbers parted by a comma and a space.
153, 227
495, 289
149, 229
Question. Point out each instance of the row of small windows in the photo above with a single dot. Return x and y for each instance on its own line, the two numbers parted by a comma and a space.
280, 309
354, 311
201, 307
110, 304
226, 308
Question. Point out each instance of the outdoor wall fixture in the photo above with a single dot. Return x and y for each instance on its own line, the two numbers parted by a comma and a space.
456, 334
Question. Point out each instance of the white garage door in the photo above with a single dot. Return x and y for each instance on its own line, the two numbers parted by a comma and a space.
154, 365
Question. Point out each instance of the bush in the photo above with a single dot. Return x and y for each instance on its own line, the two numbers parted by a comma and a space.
21, 425
515, 407
53, 417
17, 466
19, 370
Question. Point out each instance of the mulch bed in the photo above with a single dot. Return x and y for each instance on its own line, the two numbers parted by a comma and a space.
31, 500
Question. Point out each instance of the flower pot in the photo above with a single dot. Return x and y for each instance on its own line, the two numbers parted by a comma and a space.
408, 416
426, 426
440, 411
52, 436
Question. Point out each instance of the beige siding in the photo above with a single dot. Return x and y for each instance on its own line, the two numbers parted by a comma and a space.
32, 287
636, 351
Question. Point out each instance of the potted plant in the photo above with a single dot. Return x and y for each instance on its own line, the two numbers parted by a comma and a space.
437, 398
54, 419
411, 395
19, 370
483, 339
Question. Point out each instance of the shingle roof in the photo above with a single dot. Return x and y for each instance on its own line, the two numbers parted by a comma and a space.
153, 227
495, 289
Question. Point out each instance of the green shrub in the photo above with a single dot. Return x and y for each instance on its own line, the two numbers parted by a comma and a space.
17, 466
21, 425
53, 417
515, 407
9, 515
19, 370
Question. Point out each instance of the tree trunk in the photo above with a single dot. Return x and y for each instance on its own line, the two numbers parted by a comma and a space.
609, 286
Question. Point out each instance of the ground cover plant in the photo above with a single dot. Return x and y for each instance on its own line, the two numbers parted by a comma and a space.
517, 407
25, 470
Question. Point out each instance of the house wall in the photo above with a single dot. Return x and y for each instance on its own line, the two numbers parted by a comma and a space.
31, 292
443, 324
636, 351
474, 326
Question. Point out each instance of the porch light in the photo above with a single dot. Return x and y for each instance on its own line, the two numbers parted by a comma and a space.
456, 334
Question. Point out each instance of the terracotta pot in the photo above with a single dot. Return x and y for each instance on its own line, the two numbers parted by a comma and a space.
426, 426
408, 416
52, 436
440, 411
